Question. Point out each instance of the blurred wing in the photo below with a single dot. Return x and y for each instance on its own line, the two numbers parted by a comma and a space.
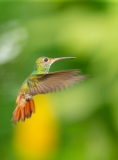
50, 82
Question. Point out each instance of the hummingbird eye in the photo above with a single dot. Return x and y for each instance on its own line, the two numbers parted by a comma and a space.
45, 59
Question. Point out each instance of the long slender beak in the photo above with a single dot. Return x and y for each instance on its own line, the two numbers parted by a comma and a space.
61, 58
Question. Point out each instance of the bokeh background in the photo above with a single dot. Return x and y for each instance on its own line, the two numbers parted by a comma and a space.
79, 123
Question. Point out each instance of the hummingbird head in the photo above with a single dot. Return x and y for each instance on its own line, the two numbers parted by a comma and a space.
43, 63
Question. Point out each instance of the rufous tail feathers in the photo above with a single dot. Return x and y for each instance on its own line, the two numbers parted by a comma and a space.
23, 112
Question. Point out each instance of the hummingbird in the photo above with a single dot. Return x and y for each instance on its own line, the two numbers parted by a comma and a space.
40, 81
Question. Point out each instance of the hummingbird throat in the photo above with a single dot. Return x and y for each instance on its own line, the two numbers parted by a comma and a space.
41, 69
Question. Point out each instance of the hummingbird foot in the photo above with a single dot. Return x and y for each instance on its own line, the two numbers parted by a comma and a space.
28, 97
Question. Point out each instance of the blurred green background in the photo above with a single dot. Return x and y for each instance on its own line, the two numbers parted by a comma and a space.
79, 123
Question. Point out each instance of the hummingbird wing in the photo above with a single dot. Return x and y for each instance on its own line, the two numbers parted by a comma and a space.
50, 82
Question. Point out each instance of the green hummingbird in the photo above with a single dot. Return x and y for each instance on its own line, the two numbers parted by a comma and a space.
40, 81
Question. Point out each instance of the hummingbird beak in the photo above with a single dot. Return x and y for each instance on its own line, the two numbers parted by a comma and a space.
61, 58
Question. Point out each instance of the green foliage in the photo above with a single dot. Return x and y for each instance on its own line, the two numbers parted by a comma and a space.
87, 112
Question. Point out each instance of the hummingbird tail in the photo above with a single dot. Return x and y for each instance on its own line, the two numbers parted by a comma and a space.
23, 112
